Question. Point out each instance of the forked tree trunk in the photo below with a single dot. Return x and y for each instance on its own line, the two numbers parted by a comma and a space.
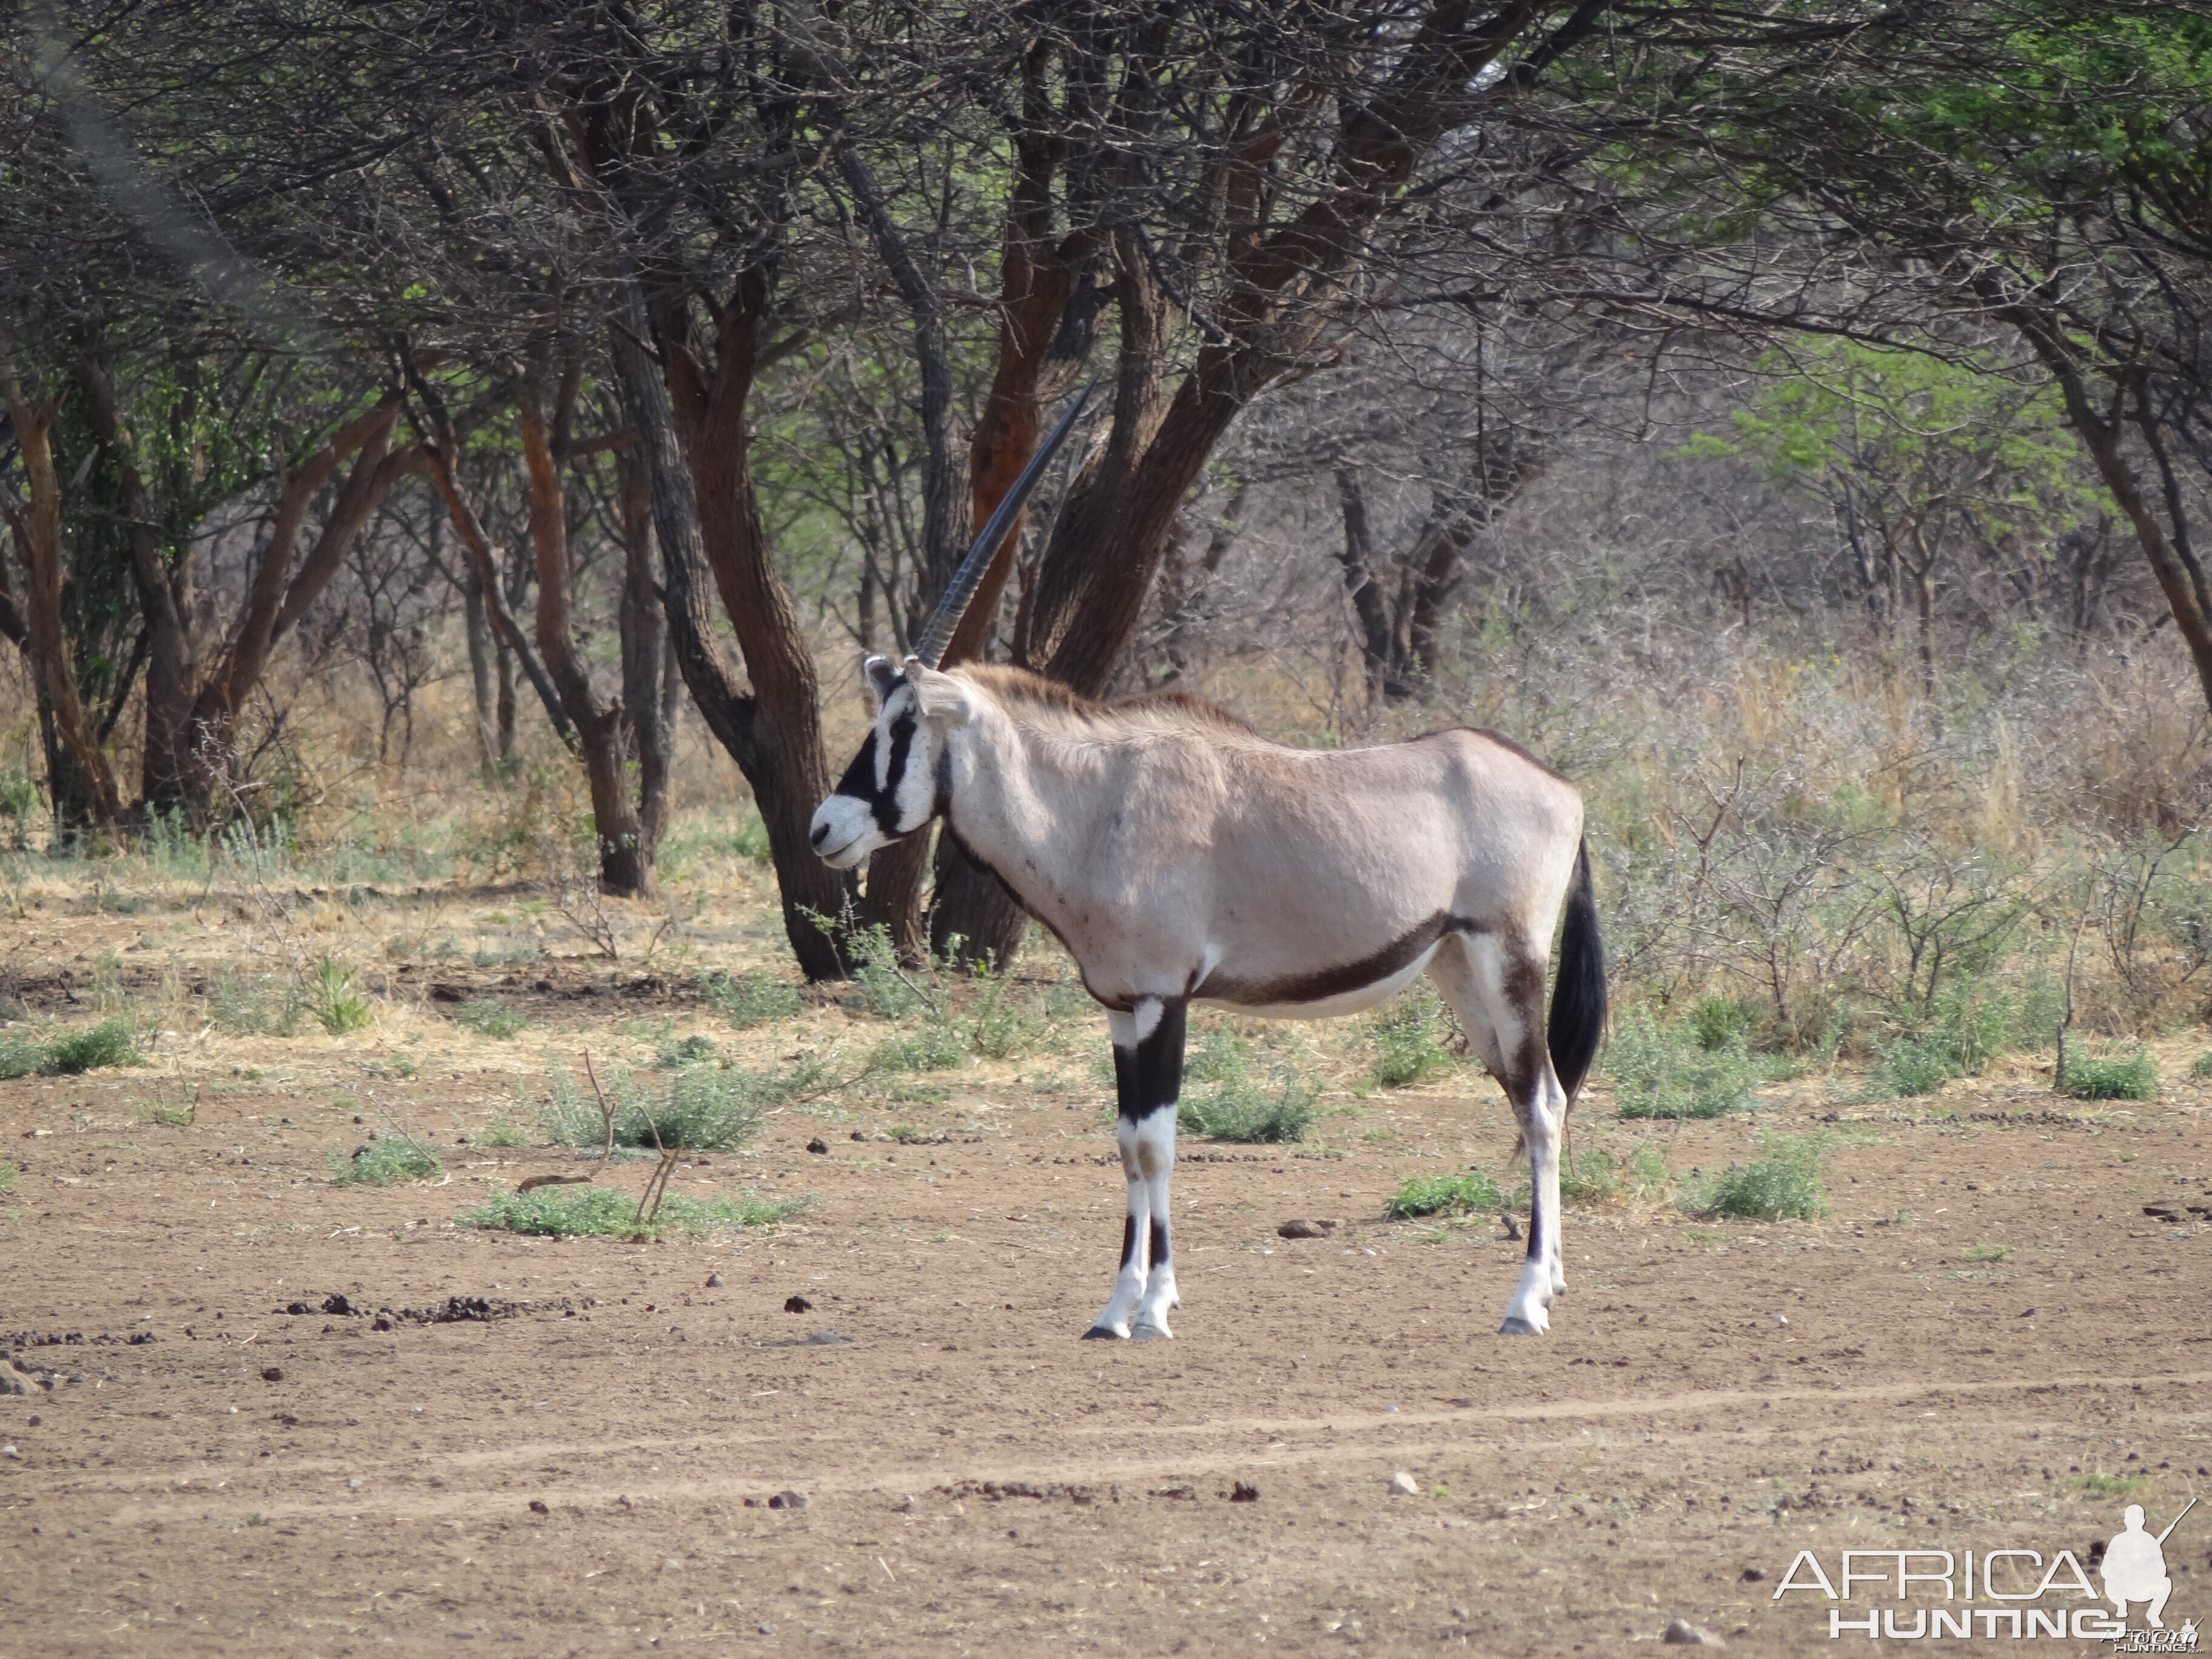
89, 775
625, 859
774, 733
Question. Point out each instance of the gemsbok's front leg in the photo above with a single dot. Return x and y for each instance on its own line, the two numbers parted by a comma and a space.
1147, 1078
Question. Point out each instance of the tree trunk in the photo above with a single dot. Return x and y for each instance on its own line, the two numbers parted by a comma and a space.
774, 733
89, 771
172, 675
625, 861
481, 684
644, 653
278, 595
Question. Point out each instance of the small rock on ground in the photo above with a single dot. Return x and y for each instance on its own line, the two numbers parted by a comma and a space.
1403, 1485
1682, 1633
273, 1374
713, 1281
797, 1304
1305, 1229
787, 1500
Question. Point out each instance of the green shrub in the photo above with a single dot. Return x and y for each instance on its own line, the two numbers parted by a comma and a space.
111, 1042
20, 1056
750, 999
1659, 1073
931, 1048
1409, 1040
263, 1008
1715, 1020
751, 841
1228, 1103
490, 1017
1969, 1022
8, 1172
687, 1051
1004, 1025
504, 1133
1471, 1194
2201, 1068
2121, 1077
703, 1109
601, 1212
1783, 1184
385, 1162
331, 997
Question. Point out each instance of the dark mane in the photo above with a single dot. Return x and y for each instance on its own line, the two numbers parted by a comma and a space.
1018, 685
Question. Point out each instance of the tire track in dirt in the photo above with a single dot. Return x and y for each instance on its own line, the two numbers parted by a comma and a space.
1193, 1460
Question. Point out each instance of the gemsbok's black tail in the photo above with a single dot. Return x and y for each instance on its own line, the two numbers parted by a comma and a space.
1577, 1020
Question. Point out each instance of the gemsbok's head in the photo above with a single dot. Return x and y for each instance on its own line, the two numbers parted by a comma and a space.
896, 783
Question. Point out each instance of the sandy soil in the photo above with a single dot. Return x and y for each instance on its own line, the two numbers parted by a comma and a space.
1986, 1344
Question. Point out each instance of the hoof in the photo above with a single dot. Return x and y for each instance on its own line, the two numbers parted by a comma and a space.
1151, 1334
1516, 1326
1102, 1333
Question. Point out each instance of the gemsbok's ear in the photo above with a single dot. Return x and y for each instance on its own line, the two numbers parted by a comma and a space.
882, 676
945, 701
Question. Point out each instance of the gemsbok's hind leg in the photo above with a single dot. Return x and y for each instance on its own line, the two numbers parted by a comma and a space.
1495, 986
1147, 1078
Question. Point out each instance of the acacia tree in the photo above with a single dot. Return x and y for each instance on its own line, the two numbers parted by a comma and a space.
2041, 169
1919, 459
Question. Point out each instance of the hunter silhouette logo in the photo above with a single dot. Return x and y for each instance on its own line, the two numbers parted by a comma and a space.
2135, 1566
2006, 1594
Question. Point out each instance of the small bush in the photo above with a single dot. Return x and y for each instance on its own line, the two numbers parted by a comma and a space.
1473, 1193
331, 997
111, 1042
933, 1047
1656, 1073
704, 1109
262, 1008
601, 1212
505, 1133
1715, 1020
688, 1051
2202, 1069
1784, 1184
750, 999
1005, 1026
1409, 1040
1230, 1103
2128, 1077
385, 1162
20, 1056
8, 1173
751, 841
490, 1017
168, 1116
1969, 1024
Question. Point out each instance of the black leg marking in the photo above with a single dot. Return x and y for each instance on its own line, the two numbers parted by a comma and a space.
1129, 1238
1159, 1244
1151, 1076
1536, 1223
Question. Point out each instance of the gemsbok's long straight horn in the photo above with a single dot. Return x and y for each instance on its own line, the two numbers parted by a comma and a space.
953, 602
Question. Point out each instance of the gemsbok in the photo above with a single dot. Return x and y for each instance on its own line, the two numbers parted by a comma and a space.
1181, 857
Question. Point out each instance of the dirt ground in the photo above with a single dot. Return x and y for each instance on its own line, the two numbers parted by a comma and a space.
1987, 1344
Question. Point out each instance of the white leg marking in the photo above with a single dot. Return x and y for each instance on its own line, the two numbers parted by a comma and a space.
1136, 1241
1156, 1138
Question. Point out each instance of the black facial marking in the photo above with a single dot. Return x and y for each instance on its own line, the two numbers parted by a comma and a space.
1128, 1239
860, 779
1150, 1076
1159, 1244
885, 803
